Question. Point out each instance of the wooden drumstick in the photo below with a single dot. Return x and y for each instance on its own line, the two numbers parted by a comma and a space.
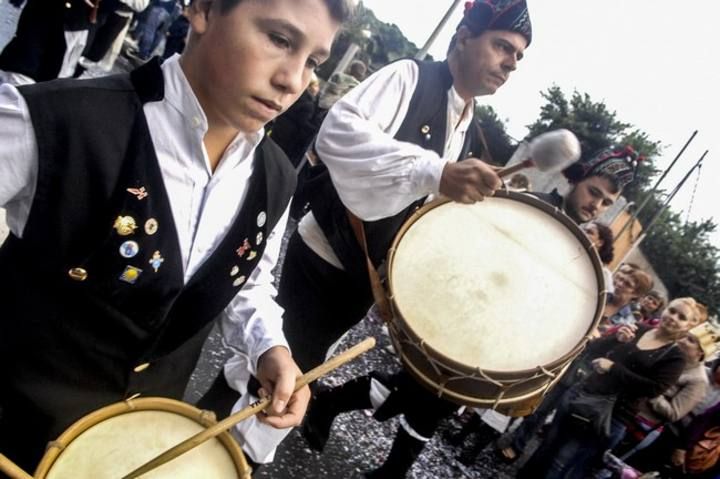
550, 152
251, 410
12, 469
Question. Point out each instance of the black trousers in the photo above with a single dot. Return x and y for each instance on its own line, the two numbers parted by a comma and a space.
422, 408
321, 303
103, 35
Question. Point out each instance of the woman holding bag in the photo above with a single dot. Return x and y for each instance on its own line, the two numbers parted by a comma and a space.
636, 363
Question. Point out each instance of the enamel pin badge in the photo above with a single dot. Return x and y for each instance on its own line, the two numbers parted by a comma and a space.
139, 193
244, 248
125, 225
156, 260
130, 274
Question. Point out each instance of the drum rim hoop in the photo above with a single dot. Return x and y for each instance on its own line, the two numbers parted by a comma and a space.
150, 403
503, 405
546, 208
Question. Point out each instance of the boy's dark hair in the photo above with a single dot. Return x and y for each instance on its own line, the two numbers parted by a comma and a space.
340, 10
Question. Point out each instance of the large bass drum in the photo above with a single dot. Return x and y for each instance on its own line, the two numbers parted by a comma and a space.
492, 301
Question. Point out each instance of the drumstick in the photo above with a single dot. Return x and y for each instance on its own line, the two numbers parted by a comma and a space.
550, 152
12, 469
251, 410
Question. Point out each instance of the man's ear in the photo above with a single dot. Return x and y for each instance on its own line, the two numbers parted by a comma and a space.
199, 14
461, 37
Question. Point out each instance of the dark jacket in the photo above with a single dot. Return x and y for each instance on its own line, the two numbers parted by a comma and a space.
295, 129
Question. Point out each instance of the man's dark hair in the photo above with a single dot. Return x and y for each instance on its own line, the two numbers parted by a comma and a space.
340, 10
575, 173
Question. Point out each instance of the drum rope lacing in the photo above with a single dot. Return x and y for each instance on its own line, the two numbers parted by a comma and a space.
444, 379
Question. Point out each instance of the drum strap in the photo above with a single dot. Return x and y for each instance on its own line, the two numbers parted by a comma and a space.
378, 290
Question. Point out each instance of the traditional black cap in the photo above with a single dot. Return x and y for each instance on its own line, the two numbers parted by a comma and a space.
618, 163
510, 15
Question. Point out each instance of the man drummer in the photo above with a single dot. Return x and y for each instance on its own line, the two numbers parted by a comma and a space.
388, 145
596, 182
142, 207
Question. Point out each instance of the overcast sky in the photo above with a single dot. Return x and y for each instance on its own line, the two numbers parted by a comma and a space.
652, 61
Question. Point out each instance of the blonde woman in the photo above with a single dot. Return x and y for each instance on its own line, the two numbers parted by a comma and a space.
638, 362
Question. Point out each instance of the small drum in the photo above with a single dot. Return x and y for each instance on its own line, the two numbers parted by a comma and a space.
114, 441
492, 301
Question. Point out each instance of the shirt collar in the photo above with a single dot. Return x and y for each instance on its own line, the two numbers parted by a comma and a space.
180, 95
456, 105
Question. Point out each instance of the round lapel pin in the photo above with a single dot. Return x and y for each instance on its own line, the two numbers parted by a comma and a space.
261, 219
129, 249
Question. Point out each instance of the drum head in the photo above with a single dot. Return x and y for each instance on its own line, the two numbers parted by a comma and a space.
115, 445
503, 284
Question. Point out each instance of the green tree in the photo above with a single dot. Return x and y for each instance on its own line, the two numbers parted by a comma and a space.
681, 253
379, 42
500, 144
597, 128
646, 171
683, 256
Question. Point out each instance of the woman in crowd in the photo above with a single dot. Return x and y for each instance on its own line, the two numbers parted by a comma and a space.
601, 237
650, 307
660, 455
629, 285
636, 363
670, 406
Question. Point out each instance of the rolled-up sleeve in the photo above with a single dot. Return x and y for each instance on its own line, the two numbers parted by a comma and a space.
252, 322
377, 176
18, 158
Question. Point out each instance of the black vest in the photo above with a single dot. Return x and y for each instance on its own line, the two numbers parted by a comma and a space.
425, 125
38, 46
69, 342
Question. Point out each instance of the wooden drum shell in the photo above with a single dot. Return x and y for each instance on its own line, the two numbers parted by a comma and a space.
513, 391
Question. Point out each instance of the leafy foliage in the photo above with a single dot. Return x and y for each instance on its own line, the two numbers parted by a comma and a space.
500, 144
683, 256
597, 128
380, 43
681, 253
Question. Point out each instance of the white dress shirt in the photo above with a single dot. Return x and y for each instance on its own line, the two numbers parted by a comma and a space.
377, 176
204, 203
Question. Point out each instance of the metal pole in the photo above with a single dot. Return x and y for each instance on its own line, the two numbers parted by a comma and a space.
665, 205
657, 183
420, 55
352, 49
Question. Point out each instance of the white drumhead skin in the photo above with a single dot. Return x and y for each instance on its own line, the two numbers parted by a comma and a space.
499, 285
117, 446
